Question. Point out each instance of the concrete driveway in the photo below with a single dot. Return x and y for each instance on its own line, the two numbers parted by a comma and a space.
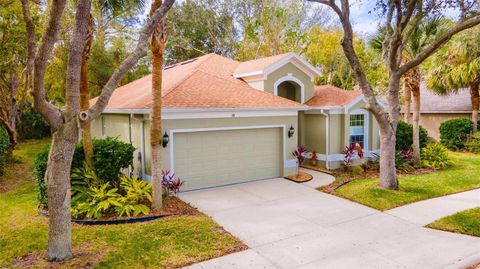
289, 225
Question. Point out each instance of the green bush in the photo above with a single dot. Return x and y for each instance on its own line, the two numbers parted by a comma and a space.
31, 124
435, 156
92, 197
454, 133
4, 145
111, 156
405, 136
473, 144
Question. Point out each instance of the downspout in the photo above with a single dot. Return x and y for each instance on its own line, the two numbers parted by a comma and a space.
327, 140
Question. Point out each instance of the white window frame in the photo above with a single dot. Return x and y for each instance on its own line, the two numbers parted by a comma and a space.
290, 77
366, 126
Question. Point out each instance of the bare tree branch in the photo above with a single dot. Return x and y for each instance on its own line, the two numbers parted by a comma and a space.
432, 48
139, 52
51, 113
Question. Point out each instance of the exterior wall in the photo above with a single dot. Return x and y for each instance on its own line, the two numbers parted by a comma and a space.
337, 133
130, 130
284, 71
432, 122
315, 133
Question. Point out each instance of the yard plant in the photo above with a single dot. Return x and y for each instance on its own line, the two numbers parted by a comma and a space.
454, 133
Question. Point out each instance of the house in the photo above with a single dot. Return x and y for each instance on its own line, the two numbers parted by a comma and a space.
435, 109
229, 122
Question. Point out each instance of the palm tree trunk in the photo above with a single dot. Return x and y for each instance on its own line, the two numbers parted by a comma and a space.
474, 95
416, 124
407, 94
157, 43
85, 97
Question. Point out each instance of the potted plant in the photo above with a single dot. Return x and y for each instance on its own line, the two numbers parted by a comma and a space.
313, 160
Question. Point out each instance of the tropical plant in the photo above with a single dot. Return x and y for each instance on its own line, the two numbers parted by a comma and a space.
404, 161
101, 201
473, 143
457, 66
82, 179
435, 156
404, 136
348, 154
135, 190
299, 154
454, 133
170, 183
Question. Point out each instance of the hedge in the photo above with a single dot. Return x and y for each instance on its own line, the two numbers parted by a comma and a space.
454, 133
405, 136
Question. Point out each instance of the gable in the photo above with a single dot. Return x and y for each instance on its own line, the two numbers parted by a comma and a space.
292, 73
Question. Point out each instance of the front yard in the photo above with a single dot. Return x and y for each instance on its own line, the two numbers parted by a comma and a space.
465, 222
462, 176
165, 243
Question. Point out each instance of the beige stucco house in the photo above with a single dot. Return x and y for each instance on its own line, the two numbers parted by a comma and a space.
229, 122
435, 109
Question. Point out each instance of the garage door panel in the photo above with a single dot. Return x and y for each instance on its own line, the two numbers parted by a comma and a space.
214, 158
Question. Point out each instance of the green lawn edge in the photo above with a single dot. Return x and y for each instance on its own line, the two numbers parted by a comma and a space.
464, 222
462, 176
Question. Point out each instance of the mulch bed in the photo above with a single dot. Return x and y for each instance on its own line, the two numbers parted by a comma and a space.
300, 177
172, 206
343, 178
316, 168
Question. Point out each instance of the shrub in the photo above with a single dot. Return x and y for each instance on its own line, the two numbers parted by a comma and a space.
454, 133
348, 154
93, 198
403, 161
404, 136
170, 183
4, 145
111, 156
31, 124
435, 156
473, 144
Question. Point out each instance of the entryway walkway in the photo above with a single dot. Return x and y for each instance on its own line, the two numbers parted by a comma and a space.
289, 225
427, 211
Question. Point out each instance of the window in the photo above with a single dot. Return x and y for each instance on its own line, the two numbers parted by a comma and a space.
357, 129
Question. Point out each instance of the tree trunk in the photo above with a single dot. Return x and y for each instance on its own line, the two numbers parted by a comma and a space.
157, 43
407, 94
57, 178
474, 95
414, 85
388, 172
85, 97
416, 125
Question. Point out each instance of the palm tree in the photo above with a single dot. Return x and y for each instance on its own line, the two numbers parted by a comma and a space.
458, 66
158, 42
422, 36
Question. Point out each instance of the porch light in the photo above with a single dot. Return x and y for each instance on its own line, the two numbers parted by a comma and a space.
291, 131
165, 140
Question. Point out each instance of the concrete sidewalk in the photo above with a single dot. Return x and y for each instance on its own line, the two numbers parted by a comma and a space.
427, 211
289, 225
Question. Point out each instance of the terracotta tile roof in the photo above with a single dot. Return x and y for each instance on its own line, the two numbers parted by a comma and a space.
258, 64
203, 82
328, 95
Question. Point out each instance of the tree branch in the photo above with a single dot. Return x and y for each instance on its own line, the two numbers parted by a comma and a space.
139, 52
51, 113
77, 44
432, 48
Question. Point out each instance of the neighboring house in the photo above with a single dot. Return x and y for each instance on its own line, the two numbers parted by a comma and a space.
229, 122
436, 109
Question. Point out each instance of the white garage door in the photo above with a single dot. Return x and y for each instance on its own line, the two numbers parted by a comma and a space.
215, 158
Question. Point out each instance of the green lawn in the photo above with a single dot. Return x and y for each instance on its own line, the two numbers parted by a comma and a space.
462, 176
465, 222
166, 243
